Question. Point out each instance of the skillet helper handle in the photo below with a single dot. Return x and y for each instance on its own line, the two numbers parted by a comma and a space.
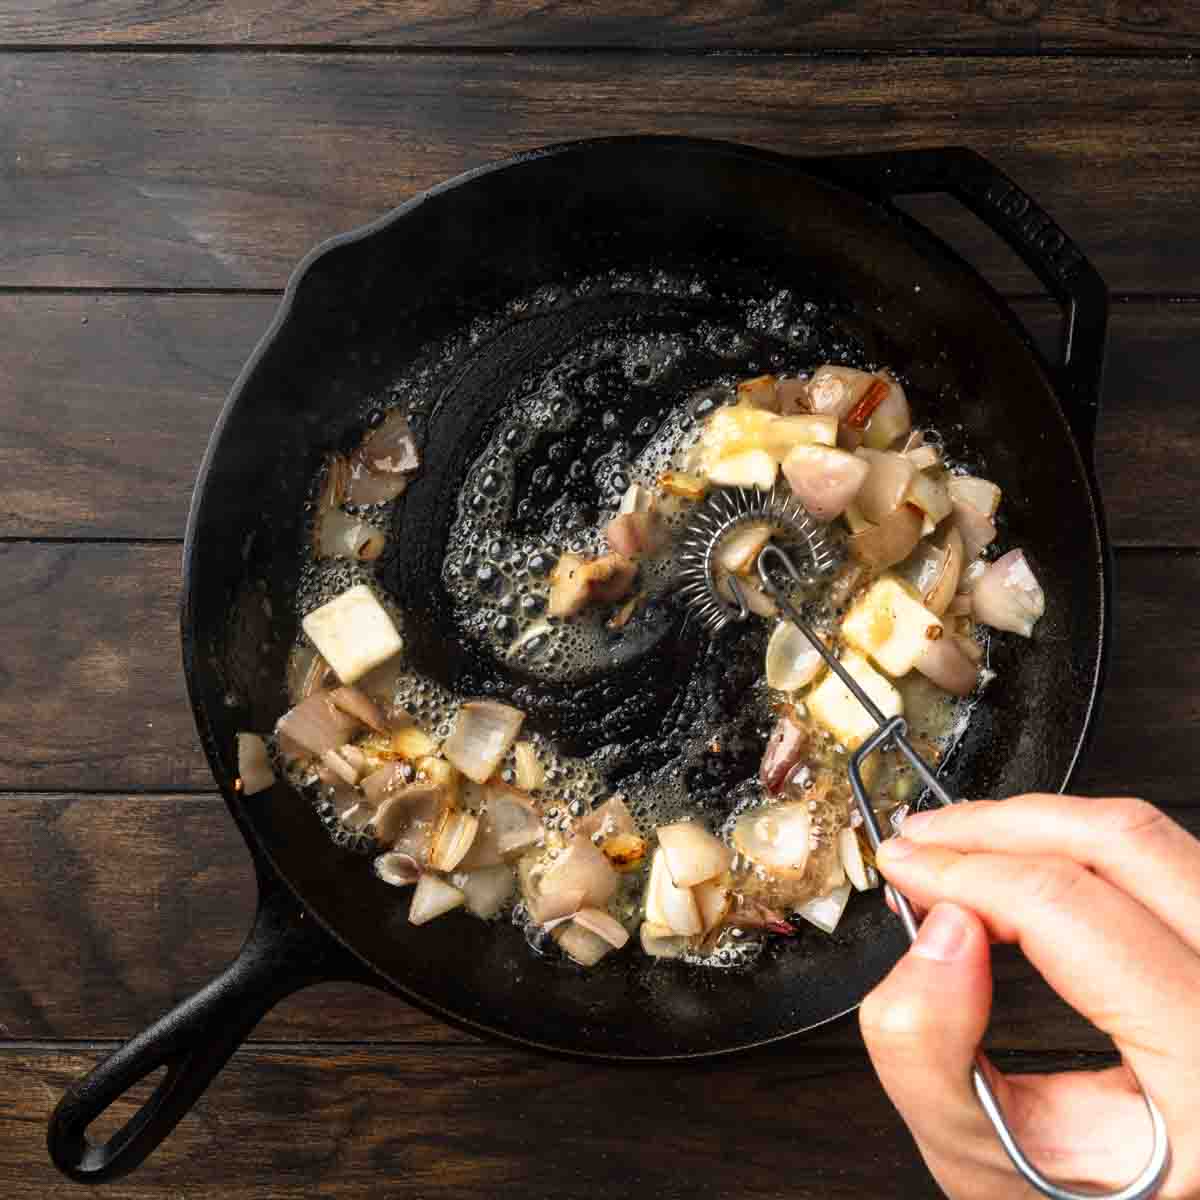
285, 951
1050, 254
1146, 1184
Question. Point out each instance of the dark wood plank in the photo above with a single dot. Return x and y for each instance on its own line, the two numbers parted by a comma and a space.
221, 170
93, 695
108, 404
1008, 25
109, 401
134, 902
443, 1123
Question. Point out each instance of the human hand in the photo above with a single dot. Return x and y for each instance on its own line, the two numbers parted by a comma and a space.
1103, 897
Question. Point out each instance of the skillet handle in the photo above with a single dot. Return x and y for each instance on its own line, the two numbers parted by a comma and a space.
1007, 210
286, 950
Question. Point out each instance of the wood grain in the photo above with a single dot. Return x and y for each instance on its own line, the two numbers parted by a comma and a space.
112, 399
109, 402
92, 694
1028, 26
134, 902
444, 1122
222, 170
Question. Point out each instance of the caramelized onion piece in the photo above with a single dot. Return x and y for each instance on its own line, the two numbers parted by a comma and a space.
530, 774
836, 390
381, 466
576, 582
891, 419
453, 839
977, 529
607, 819
981, 494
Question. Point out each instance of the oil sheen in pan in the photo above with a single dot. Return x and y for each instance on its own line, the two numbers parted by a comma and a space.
618, 407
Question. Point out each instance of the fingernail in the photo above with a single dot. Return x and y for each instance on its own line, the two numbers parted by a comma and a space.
942, 934
895, 848
915, 822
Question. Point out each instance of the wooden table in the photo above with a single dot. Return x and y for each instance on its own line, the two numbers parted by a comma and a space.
162, 167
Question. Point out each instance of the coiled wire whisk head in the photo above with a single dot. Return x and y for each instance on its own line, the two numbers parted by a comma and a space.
711, 522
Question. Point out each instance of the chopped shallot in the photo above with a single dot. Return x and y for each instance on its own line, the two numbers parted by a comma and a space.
661, 941
610, 818
886, 485
453, 839
339, 535
508, 824
981, 494
978, 530
602, 925
891, 541
530, 774
943, 662
692, 853
576, 582
360, 706
669, 905
750, 468
317, 725
792, 661
759, 392
787, 745
824, 479
837, 389
739, 550
850, 852
636, 533
891, 418
826, 911
580, 876
1008, 595
397, 868
433, 897
580, 944
487, 889
482, 734
777, 838
382, 465
254, 764
940, 590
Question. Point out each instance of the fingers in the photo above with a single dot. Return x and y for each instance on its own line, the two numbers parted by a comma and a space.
1128, 842
1098, 948
923, 1024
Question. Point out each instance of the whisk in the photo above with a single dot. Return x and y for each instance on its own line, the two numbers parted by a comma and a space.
728, 509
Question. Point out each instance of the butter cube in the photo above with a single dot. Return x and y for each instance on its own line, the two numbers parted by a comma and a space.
834, 707
892, 626
353, 633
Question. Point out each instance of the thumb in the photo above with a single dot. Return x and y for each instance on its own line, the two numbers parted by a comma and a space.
923, 1024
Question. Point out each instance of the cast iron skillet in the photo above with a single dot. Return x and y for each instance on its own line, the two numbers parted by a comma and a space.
355, 312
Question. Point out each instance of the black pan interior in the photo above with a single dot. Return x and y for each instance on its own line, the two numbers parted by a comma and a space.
876, 288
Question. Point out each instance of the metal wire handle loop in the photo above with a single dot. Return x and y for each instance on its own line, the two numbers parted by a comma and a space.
894, 730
